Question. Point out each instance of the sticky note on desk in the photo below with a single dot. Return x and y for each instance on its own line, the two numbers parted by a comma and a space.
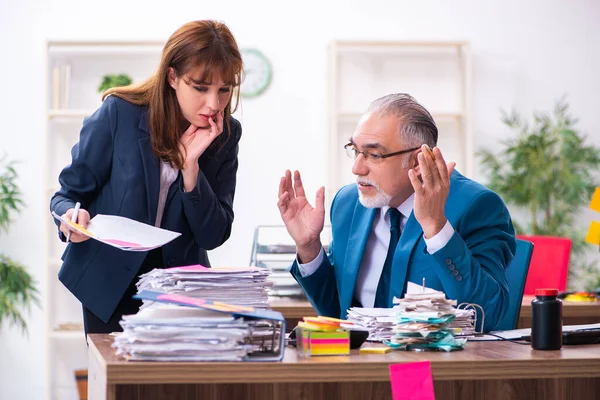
412, 381
375, 350
595, 203
593, 234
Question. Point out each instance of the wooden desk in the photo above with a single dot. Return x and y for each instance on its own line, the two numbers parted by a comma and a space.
574, 313
484, 370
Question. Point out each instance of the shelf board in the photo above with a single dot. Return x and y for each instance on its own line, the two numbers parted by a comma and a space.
66, 334
69, 113
359, 47
65, 48
354, 117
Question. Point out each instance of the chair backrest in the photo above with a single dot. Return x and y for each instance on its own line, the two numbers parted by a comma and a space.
549, 263
516, 274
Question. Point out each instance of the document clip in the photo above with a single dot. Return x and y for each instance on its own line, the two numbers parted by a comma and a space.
474, 307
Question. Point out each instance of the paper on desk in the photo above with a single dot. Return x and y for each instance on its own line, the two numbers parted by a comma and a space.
122, 233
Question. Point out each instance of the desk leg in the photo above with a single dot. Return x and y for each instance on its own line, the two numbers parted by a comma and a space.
98, 388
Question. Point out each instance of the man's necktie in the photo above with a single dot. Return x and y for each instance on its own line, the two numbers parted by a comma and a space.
383, 289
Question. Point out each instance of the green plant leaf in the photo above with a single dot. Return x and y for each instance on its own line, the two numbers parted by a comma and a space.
548, 170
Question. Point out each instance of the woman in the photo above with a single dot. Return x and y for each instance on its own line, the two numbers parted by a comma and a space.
163, 153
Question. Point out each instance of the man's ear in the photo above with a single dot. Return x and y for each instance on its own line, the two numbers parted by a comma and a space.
413, 162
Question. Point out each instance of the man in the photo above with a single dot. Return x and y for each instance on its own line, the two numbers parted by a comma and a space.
409, 217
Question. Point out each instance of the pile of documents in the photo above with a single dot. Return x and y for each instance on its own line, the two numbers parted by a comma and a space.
176, 333
245, 286
423, 319
180, 328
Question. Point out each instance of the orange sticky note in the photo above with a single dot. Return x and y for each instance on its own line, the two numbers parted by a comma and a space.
595, 203
593, 234
412, 381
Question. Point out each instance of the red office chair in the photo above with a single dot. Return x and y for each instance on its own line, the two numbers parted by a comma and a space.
549, 265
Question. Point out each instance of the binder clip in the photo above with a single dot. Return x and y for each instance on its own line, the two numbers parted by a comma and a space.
474, 307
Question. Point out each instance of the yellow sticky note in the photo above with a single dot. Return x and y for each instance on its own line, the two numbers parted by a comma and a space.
595, 203
593, 235
375, 350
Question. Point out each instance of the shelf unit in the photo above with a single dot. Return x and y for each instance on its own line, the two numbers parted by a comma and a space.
74, 70
437, 74
273, 248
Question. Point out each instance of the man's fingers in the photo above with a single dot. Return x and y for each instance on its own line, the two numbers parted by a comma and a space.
425, 170
441, 166
281, 186
414, 180
298, 187
320, 200
288, 182
431, 164
283, 202
450, 168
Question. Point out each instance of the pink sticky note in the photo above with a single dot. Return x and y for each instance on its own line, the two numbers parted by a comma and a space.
195, 267
412, 381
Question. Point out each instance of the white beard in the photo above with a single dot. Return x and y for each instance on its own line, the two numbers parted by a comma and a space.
381, 198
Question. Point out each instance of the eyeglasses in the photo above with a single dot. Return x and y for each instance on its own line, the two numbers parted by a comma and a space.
373, 156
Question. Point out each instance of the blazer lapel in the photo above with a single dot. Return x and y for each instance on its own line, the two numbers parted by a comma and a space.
174, 188
409, 238
362, 221
151, 166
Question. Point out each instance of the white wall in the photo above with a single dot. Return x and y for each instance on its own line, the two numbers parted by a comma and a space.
525, 54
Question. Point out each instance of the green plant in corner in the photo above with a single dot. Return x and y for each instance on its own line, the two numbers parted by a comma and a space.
17, 288
112, 80
547, 171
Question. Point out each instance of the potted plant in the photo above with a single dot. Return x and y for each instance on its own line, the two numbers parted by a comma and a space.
113, 80
547, 172
17, 288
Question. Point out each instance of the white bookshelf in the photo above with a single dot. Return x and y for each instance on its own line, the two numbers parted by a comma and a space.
74, 72
437, 74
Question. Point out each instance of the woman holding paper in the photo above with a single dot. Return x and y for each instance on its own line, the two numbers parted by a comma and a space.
164, 153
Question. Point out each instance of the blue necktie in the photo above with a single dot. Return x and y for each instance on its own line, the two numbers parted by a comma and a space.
383, 288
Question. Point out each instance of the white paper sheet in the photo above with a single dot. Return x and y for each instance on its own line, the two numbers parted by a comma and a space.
123, 233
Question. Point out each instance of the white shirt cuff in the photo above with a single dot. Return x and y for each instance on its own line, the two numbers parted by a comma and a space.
442, 238
309, 268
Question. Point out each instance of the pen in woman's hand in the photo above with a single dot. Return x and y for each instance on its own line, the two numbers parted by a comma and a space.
74, 218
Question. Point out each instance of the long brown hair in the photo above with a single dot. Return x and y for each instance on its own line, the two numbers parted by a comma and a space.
199, 44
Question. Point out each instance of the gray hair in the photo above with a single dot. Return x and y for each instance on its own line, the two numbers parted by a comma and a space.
417, 126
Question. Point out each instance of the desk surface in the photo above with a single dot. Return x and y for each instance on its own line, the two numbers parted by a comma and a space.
296, 309
478, 361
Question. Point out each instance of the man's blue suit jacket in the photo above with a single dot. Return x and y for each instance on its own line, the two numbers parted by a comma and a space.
115, 172
470, 268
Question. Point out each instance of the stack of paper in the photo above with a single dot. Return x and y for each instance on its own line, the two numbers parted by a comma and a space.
422, 319
246, 286
176, 333
181, 328
379, 322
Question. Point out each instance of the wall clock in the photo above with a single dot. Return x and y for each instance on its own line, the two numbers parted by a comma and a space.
257, 73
